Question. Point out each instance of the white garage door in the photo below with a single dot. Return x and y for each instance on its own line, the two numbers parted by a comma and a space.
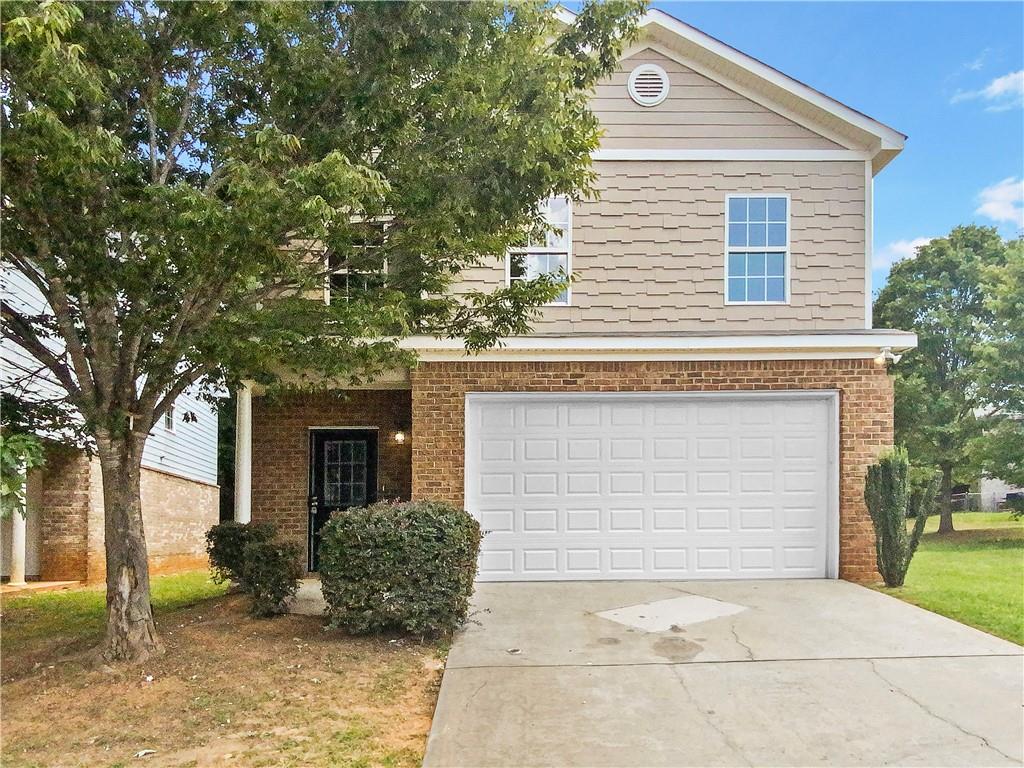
610, 486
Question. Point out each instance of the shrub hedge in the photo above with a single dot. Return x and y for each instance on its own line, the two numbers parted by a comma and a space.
225, 544
407, 566
270, 574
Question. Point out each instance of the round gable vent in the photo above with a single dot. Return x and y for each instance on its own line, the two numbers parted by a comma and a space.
648, 85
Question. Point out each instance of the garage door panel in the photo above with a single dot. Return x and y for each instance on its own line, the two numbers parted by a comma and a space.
659, 487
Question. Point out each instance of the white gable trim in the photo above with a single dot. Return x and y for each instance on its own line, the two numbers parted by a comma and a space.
890, 138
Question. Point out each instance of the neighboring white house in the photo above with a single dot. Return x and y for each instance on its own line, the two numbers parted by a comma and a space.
62, 536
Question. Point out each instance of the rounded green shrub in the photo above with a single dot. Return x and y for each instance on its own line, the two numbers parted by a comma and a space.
407, 566
270, 574
225, 544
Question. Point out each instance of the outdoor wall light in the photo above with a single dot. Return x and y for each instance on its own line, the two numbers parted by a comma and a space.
399, 437
886, 354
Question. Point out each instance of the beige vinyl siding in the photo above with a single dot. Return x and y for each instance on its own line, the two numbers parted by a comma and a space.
649, 255
699, 113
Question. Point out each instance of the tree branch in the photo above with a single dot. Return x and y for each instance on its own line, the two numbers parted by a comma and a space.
19, 329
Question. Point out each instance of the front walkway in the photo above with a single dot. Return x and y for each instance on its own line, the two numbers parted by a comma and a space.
722, 673
32, 587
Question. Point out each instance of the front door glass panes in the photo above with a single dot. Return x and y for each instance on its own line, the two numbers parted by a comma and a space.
344, 473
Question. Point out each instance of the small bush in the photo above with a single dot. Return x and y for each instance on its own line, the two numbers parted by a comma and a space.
892, 497
225, 543
270, 574
399, 566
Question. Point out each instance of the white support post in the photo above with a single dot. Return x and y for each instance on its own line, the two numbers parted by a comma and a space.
18, 548
243, 454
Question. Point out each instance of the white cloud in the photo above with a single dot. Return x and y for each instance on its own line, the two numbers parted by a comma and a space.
1003, 93
1003, 202
897, 250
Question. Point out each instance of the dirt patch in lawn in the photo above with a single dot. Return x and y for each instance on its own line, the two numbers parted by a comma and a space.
229, 690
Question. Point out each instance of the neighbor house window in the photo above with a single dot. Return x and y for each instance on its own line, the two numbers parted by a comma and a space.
553, 255
757, 252
169, 418
362, 268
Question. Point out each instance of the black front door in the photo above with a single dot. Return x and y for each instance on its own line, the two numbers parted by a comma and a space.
344, 474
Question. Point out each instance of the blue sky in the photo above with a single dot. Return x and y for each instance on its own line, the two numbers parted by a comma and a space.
934, 71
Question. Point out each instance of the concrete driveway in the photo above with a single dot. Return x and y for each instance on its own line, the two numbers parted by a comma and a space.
787, 673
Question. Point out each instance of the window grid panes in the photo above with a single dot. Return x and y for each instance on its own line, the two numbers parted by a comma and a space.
361, 271
550, 256
345, 473
758, 243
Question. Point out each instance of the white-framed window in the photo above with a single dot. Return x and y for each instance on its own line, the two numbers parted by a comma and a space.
361, 270
169, 418
552, 256
757, 249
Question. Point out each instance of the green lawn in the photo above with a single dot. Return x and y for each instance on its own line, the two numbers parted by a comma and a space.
975, 575
76, 617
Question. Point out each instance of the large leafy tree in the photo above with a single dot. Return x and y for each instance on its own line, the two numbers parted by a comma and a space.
177, 175
948, 381
999, 451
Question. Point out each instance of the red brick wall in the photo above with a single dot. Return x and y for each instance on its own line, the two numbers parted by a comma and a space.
64, 517
280, 449
865, 414
176, 512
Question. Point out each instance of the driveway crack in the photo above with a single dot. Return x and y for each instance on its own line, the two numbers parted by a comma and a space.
937, 716
729, 742
744, 646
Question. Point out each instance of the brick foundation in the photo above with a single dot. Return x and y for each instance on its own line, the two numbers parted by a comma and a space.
280, 449
865, 415
176, 512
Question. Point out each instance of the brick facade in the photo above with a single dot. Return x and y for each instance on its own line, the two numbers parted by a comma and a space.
176, 512
280, 449
865, 414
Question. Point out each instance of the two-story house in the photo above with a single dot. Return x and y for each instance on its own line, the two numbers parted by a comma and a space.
701, 402
61, 536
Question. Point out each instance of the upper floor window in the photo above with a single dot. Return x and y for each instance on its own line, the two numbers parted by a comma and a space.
362, 269
169, 418
757, 249
553, 255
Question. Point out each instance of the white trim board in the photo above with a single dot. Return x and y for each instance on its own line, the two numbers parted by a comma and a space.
655, 348
725, 155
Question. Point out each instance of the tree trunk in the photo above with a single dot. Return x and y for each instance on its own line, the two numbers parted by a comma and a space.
131, 632
946, 508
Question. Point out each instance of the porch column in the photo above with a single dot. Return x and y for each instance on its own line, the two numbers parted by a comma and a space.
18, 548
243, 454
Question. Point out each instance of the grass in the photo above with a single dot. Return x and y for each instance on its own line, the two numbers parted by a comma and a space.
78, 614
974, 575
229, 689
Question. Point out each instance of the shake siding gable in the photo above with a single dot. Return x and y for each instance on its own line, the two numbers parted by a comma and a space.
698, 113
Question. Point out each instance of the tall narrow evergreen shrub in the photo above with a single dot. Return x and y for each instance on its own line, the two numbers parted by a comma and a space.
892, 498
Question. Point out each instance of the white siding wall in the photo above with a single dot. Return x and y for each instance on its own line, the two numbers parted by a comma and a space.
189, 451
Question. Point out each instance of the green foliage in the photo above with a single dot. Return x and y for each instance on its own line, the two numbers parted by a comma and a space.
201, 158
180, 179
891, 498
225, 544
18, 454
946, 294
406, 566
270, 574
1016, 507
